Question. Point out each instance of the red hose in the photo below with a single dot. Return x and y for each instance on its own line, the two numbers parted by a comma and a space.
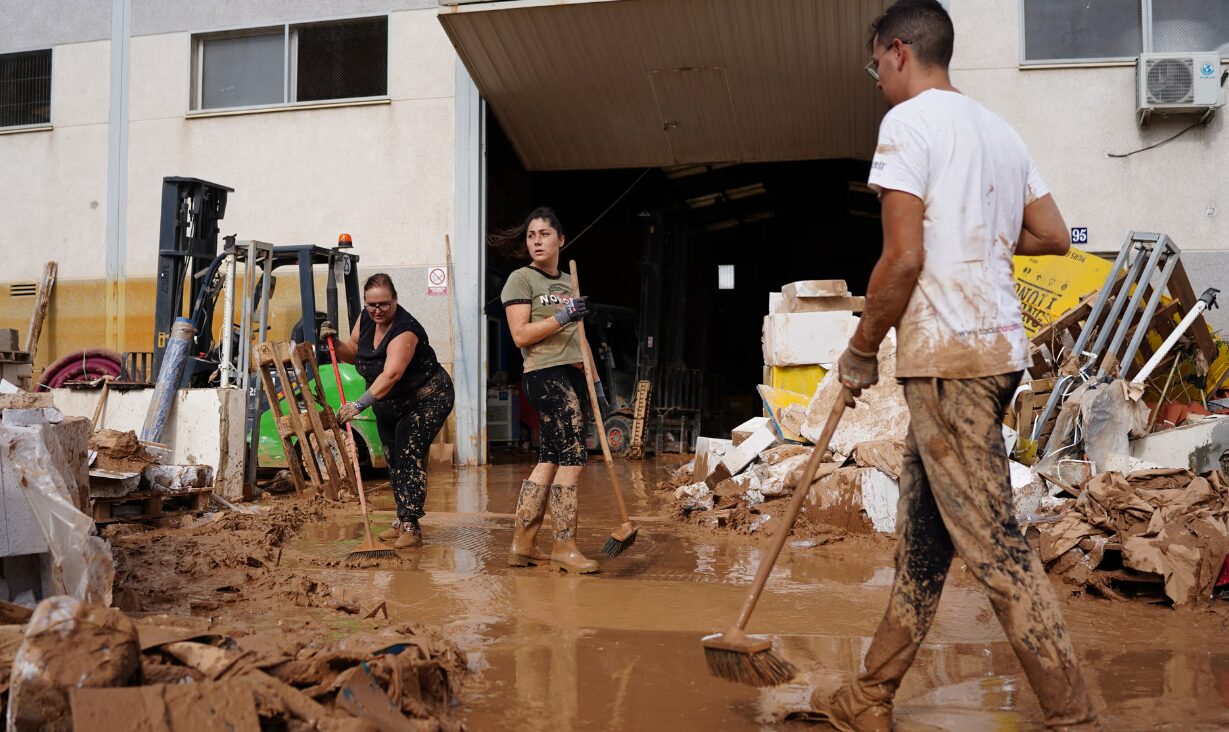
82, 365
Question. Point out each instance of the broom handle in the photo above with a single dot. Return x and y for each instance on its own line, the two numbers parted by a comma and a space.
597, 409
795, 506
341, 394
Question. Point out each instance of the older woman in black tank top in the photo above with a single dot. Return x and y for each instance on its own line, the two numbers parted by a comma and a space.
410, 393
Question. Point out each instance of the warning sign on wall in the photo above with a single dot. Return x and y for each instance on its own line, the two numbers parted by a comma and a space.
437, 281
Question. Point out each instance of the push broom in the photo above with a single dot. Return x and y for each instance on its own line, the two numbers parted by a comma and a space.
624, 536
734, 655
370, 548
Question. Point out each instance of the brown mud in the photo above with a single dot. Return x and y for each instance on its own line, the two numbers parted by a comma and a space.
620, 650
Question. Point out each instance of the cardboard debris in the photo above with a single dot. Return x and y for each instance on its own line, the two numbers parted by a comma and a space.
881, 412
202, 706
1172, 524
886, 455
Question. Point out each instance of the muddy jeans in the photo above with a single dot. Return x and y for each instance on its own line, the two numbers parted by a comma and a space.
407, 427
561, 396
955, 496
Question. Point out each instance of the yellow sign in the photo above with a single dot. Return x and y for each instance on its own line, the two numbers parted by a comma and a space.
1051, 286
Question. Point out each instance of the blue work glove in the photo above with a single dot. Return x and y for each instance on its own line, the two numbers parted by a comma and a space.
573, 310
602, 404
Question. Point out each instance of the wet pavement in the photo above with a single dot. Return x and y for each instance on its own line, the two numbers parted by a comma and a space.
620, 650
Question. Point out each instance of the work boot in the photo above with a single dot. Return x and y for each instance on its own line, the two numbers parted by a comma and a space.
411, 536
565, 555
841, 710
530, 510
392, 533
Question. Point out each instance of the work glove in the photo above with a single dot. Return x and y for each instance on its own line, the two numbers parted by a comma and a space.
858, 369
350, 410
602, 404
573, 310
327, 331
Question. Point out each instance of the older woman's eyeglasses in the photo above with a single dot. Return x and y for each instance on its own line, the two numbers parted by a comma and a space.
377, 307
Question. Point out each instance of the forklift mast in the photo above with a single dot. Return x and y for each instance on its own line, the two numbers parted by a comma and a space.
187, 246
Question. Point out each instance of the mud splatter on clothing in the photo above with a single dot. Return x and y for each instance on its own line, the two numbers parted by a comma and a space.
955, 497
531, 503
408, 426
560, 395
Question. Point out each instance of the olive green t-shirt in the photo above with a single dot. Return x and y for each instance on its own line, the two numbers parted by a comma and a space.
545, 296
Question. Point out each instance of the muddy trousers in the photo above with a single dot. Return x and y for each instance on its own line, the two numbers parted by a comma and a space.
407, 428
955, 497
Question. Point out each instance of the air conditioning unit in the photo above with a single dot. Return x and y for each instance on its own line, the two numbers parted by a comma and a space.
1177, 83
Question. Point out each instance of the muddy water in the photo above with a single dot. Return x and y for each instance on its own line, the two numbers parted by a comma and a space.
620, 649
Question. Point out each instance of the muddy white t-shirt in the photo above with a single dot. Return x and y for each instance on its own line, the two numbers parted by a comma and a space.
975, 176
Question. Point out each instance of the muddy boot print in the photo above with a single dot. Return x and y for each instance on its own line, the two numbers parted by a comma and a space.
530, 510
565, 555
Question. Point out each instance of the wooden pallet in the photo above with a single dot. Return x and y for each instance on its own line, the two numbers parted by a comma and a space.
312, 441
150, 506
1024, 417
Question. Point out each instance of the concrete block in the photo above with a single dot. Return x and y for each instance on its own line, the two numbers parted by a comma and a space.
1197, 446
740, 433
797, 339
26, 400
8, 339
177, 478
736, 460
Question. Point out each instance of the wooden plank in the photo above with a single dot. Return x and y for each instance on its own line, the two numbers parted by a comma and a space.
294, 412
1180, 287
41, 303
301, 357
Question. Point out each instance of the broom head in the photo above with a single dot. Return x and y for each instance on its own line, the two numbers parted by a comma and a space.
620, 539
735, 656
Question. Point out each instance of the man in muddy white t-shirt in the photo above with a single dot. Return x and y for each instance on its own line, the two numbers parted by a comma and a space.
959, 197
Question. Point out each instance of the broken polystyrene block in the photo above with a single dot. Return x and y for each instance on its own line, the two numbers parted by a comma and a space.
881, 412
825, 304
741, 456
709, 451
861, 500
178, 478
799, 339
815, 288
26, 400
740, 433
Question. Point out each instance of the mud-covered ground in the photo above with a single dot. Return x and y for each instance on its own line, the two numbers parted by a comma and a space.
621, 649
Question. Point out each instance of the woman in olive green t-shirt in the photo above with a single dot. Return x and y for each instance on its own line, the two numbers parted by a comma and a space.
542, 316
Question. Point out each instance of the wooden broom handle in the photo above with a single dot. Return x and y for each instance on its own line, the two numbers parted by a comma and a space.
843, 399
597, 409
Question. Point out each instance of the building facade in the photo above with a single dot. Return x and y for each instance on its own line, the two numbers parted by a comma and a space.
361, 116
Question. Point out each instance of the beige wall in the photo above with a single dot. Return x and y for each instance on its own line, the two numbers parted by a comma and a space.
1071, 117
382, 172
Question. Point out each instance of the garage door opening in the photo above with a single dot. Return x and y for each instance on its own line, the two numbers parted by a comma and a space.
681, 262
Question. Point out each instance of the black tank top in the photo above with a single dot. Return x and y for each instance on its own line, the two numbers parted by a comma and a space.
369, 360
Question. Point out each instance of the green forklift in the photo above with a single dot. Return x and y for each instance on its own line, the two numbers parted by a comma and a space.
190, 267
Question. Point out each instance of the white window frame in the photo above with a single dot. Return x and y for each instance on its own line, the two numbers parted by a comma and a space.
37, 126
290, 63
1145, 9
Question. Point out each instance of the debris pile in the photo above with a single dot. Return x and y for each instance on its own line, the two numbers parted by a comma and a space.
129, 480
76, 666
1142, 534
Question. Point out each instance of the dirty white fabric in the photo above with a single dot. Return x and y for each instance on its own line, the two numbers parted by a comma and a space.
975, 176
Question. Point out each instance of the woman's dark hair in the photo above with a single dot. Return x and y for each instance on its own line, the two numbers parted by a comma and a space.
380, 280
512, 241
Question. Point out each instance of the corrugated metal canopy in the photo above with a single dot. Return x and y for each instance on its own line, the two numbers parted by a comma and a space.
590, 84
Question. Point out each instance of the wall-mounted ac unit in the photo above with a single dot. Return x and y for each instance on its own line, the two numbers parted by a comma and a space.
1177, 83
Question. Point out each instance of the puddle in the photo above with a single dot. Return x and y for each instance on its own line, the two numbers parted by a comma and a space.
620, 649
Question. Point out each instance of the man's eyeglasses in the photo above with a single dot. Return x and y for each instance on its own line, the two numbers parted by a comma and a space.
872, 67
374, 307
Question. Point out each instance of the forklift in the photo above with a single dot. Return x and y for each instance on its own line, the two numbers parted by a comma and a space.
189, 265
